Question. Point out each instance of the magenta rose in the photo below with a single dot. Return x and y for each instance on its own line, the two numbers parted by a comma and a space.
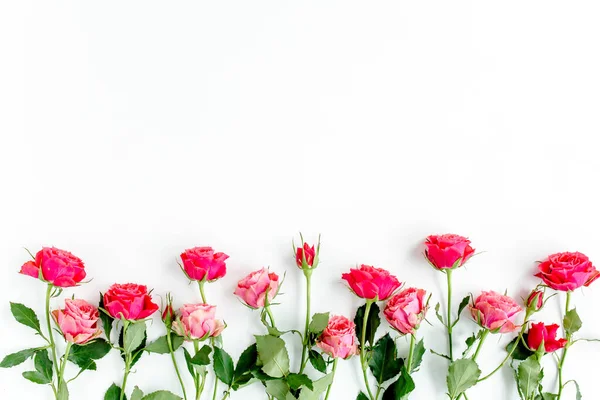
371, 283
197, 322
567, 271
448, 251
202, 263
546, 334
129, 301
406, 310
253, 289
58, 267
306, 254
78, 321
339, 338
495, 312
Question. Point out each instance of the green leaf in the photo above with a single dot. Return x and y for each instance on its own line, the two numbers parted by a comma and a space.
318, 323
161, 395
319, 387
317, 361
521, 352
403, 386
462, 374
529, 376
25, 316
463, 304
188, 362
136, 350
107, 320
384, 362
278, 388
43, 365
578, 391
297, 380
63, 392
137, 394
134, 335
572, 322
85, 355
547, 396
361, 396
243, 370
161, 345
113, 393
36, 377
223, 366
438, 315
17, 358
202, 356
273, 355
372, 323
417, 356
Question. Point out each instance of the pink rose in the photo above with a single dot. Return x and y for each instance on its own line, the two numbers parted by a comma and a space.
535, 301
406, 310
254, 287
197, 322
494, 311
306, 254
371, 283
540, 333
339, 338
202, 263
59, 267
567, 271
448, 251
129, 301
78, 321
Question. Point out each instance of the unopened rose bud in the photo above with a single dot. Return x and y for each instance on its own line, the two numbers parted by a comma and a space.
535, 301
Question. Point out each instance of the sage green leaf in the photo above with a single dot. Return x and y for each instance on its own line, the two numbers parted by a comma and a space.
137, 394
361, 396
25, 316
572, 323
384, 362
161, 395
113, 393
547, 396
43, 365
223, 366
462, 374
134, 335
317, 361
17, 358
278, 388
107, 320
63, 392
161, 345
36, 377
578, 391
372, 323
401, 387
319, 387
137, 353
529, 376
297, 380
417, 356
202, 356
273, 355
85, 355
318, 323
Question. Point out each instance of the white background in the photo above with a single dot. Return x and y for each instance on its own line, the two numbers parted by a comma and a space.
133, 130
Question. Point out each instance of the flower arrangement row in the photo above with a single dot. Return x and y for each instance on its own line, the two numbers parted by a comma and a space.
118, 322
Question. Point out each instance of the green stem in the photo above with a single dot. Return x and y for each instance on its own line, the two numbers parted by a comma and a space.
564, 354
172, 352
335, 360
126, 375
271, 318
307, 274
363, 344
480, 345
201, 287
212, 340
50, 334
411, 351
63, 364
199, 387
449, 313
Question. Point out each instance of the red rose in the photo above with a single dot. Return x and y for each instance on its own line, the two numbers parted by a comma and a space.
539, 333
129, 301
200, 263
371, 283
535, 301
306, 254
59, 267
448, 251
567, 271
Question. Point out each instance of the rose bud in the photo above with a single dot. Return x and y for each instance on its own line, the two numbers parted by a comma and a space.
78, 321
168, 314
567, 271
305, 256
253, 289
448, 251
58, 267
339, 340
371, 283
540, 333
129, 301
202, 263
406, 310
197, 322
495, 312
535, 301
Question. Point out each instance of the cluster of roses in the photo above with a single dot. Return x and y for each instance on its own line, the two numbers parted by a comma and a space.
125, 309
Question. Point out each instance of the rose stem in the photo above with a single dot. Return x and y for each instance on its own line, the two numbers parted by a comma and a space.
332, 378
449, 313
50, 335
307, 274
564, 355
61, 374
127, 365
212, 340
172, 352
199, 388
362, 347
411, 351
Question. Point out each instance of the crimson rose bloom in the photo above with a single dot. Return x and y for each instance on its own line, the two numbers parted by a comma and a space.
567, 271
202, 263
129, 301
406, 310
339, 338
371, 283
495, 312
253, 289
78, 321
309, 255
448, 251
59, 267
539, 333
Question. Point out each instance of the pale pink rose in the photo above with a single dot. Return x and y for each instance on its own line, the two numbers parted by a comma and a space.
495, 312
339, 338
406, 310
78, 321
253, 289
197, 322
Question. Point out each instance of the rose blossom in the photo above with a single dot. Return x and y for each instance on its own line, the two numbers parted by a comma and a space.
406, 310
254, 287
448, 251
535, 301
78, 321
306, 254
567, 271
539, 333
494, 311
371, 283
59, 267
129, 301
197, 321
339, 338
202, 263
